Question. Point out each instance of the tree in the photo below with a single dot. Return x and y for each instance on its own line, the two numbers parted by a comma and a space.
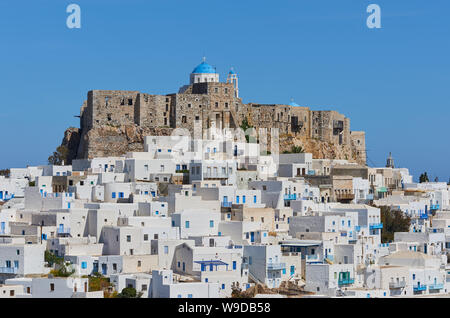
51, 258
59, 156
4, 172
245, 125
423, 178
297, 149
393, 221
294, 149
62, 269
129, 292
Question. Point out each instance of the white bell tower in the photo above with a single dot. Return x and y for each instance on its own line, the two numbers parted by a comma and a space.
233, 78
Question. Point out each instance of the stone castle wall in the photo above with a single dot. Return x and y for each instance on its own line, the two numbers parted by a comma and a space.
213, 104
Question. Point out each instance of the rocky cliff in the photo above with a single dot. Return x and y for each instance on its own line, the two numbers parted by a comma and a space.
116, 141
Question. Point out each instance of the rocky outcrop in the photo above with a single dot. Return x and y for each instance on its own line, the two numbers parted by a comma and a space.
108, 140
117, 140
71, 141
319, 149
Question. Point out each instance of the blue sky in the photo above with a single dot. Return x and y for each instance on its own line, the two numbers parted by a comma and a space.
392, 82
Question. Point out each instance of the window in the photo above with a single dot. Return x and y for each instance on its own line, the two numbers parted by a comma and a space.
83, 265
120, 194
223, 286
211, 223
234, 264
52, 287
139, 264
145, 237
113, 195
128, 238
189, 295
166, 249
243, 199
187, 224
18, 252
254, 199
144, 287
114, 266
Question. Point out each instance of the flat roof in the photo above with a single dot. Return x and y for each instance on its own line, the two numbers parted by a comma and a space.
211, 262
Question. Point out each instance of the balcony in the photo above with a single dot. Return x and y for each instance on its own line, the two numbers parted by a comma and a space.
8, 270
376, 226
227, 204
212, 175
345, 196
290, 196
435, 286
65, 230
312, 258
434, 207
275, 266
420, 288
345, 281
357, 228
396, 285
423, 216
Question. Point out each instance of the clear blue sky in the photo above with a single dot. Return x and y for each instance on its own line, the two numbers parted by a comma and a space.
392, 82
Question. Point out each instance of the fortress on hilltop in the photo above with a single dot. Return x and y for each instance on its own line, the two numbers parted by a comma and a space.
113, 122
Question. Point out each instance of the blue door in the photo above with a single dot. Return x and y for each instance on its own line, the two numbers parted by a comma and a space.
1, 194
292, 270
95, 268
2, 228
61, 228
104, 269
184, 267
252, 236
225, 199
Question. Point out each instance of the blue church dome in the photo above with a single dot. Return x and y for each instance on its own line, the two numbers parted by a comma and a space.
204, 68
292, 103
